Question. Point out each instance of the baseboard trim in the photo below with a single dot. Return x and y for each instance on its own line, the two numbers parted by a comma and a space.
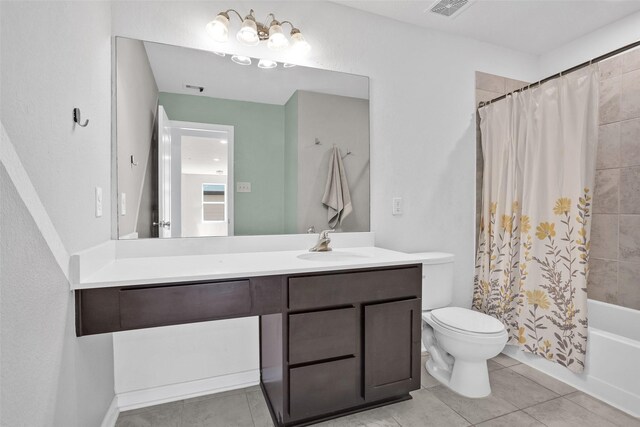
173, 392
111, 416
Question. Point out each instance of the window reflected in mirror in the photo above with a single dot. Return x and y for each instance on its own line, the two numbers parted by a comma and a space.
213, 203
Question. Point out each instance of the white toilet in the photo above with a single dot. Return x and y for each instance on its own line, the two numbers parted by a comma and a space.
458, 340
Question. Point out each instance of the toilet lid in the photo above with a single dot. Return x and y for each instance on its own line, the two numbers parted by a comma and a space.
467, 320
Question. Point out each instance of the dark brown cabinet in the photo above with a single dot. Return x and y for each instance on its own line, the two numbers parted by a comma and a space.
322, 335
392, 334
345, 342
330, 343
170, 305
323, 388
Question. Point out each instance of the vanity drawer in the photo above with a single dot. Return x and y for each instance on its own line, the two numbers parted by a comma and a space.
170, 305
322, 335
324, 387
347, 288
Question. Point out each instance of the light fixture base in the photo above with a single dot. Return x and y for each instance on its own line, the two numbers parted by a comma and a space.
263, 31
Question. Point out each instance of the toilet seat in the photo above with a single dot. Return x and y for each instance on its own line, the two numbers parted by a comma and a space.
459, 324
467, 321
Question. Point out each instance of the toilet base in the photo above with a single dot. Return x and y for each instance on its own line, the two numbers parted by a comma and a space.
468, 379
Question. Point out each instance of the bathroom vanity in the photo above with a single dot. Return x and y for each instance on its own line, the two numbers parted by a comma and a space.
343, 341
339, 332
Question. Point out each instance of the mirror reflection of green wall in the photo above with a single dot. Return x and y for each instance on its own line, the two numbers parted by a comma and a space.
282, 125
258, 154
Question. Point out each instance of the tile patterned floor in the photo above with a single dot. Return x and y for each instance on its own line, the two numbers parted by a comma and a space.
521, 397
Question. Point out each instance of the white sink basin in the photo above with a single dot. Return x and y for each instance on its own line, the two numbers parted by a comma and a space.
332, 256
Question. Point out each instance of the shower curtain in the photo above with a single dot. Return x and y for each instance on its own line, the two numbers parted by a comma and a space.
539, 150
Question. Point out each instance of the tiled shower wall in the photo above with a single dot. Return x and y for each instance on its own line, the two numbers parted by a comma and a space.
615, 230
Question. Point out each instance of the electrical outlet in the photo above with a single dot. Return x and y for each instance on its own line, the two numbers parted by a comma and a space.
243, 187
123, 204
98, 202
397, 206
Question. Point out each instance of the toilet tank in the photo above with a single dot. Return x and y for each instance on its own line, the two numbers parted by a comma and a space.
437, 279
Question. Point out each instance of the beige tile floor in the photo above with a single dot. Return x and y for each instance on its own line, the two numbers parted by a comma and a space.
521, 397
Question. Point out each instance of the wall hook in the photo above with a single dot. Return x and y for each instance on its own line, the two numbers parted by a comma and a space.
77, 119
317, 142
133, 161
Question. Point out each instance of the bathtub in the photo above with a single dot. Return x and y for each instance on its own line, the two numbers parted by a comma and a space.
612, 368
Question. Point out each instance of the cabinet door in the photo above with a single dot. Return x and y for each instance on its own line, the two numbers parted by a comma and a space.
391, 349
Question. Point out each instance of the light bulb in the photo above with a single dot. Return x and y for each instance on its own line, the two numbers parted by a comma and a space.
248, 34
277, 39
288, 65
298, 44
241, 60
218, 29
267, 63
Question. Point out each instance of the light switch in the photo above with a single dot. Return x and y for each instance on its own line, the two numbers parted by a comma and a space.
243, 187
123, 204
397, 206
98, 202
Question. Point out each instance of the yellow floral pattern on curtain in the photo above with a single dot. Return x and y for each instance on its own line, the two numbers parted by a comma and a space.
501, 290
539, 149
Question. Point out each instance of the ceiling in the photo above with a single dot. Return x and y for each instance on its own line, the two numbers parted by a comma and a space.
174, 67
532, 26
199, 154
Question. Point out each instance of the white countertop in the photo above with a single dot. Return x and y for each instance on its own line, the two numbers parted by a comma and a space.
165, 269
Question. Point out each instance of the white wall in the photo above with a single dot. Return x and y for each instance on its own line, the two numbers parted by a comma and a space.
344, 122
54, 56
137, 100
57, 56
143, 359
599, 42
48, 377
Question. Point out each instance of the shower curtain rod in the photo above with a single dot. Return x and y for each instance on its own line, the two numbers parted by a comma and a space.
561, 73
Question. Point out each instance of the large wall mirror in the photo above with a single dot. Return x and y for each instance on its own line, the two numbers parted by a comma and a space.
219, 145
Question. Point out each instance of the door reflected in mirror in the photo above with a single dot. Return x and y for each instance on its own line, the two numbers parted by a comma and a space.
224, 149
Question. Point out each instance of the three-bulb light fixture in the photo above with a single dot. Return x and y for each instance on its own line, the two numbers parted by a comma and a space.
252, 32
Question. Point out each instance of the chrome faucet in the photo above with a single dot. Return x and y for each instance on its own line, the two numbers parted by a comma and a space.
322, 245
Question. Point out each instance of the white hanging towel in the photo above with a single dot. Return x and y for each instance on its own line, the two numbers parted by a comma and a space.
336, 197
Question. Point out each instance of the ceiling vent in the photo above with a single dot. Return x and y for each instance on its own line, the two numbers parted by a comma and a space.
449, 8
